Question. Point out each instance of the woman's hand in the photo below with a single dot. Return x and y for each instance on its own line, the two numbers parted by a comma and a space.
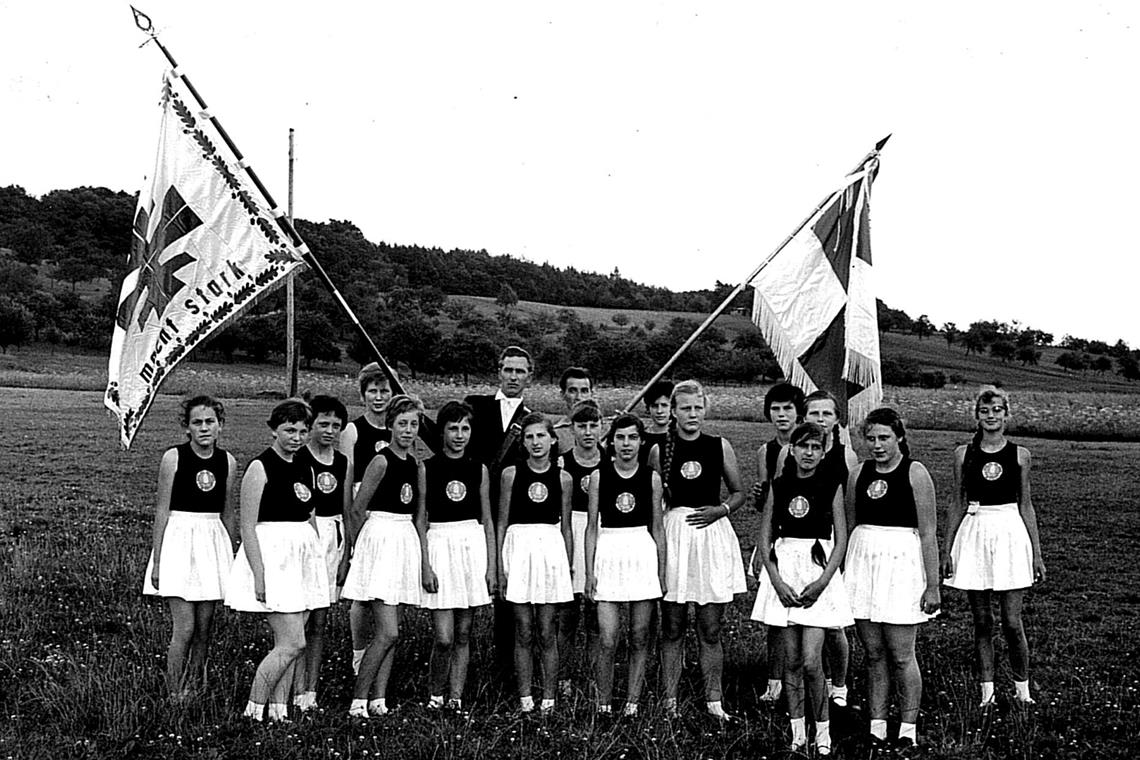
591, 589
946, 567
931, 600
811, 592
342, 570
502, 583
428, 579
154, 576
784, 592
259, 586
703, 517
492, 581
1038, 570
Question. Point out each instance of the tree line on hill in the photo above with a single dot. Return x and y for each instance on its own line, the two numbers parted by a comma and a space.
51, 245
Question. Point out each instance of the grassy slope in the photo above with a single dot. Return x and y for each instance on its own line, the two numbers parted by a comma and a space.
931, 353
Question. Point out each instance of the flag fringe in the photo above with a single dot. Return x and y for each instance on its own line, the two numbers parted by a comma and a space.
862, 403
764, 317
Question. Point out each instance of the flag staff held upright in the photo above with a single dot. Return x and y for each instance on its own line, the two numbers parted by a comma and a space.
739, 288
143, 22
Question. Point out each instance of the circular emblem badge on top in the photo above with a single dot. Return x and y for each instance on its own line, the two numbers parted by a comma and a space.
584, 484
991, 471
326, 482
625, 503
205, 480
690, 470
799, 507
877, 489
456, 490
406, 493
380, 446
302, 492
537, 492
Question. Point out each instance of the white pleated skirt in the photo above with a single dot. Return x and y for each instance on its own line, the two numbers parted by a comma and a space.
537, 568
992, 550
578, 522
885, 576
386, 561
196, 558
457, 552
702, 565
793, 558
295, 577
330, 534
625, 565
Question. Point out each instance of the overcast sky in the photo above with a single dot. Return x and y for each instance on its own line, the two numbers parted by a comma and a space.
679, 142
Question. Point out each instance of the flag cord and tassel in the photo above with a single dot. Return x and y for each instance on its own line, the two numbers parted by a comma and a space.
862, 165
143, 22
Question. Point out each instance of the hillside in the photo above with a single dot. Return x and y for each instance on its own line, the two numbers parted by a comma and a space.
930, 353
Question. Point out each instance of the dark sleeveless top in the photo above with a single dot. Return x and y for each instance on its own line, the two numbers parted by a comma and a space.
399, 487
695, 471
369, 441
802, 507
536, 496
834, 464
328, 496
648, 441
199, 484
993, 478
288, 492
580, 475
625, 502
885, 498
453, 488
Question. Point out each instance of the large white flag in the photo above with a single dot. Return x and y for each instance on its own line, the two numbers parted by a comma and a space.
205, 248
815, 303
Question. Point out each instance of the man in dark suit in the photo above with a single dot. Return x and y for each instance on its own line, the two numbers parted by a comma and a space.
495, 441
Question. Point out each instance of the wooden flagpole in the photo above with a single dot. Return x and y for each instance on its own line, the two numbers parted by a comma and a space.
290, 294
143, 22
737, 290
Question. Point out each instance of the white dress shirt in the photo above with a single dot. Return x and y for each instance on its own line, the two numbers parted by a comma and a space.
507, 407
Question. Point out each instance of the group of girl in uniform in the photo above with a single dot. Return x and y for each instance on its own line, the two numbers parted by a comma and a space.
836, 548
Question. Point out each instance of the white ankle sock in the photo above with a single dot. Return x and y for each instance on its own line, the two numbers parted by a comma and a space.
357, 658
277, 711
878, 728
775, 687
908, 731
823, 734
547, 705
526, 704
630, 709
605, 710
455, 703
358, 708
254, 710
987, 692
799, 732
1022, 688
378, 706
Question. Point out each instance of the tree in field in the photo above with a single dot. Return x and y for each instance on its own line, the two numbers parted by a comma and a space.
1072, 343
411, 338
1102, 364
1119, 349
950, 333
1073, 361
314, 333
1028, 355
1129, 365
15, 324
1003, 349
620, 319
974, 341
1097, 347
507, 299
922, 327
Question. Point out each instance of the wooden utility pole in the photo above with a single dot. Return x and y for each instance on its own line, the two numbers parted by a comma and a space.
290, 314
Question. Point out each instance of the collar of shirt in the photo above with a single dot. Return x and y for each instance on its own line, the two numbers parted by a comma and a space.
507, 407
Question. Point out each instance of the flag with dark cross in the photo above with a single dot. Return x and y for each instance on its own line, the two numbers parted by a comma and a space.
815, 305
206, 247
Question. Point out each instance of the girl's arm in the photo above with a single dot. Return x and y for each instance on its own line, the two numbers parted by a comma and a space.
839, 531
761, 486
229, 508
657, 529
166, 470
784, 592
347, 442
506, 485
592, 535
251, 487
705, 516
427, 575
354, 520
955, 511
567, 533
927, 513
489, 531
654, 459
849, 501
1029, 514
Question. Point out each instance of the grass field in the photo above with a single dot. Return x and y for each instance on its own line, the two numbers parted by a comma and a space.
81, 652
